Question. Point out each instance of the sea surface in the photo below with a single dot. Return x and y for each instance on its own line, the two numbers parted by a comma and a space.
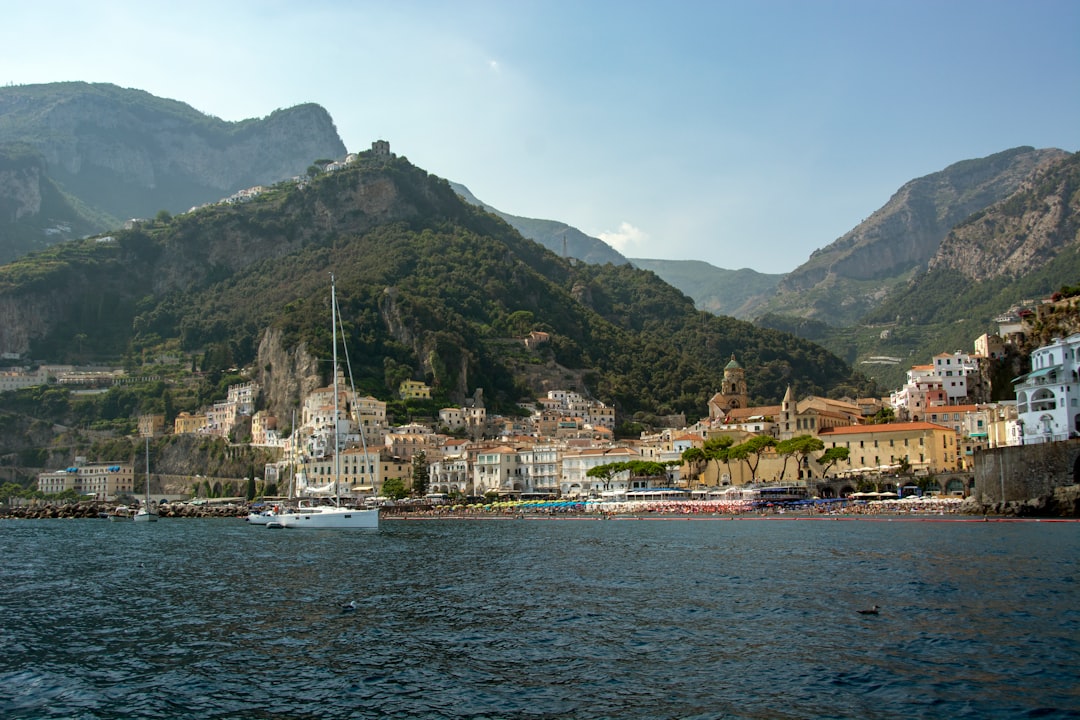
541, 618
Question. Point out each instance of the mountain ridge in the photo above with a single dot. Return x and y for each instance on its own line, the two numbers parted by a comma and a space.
129, 154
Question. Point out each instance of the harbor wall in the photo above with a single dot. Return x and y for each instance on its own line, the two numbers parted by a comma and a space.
1020, 473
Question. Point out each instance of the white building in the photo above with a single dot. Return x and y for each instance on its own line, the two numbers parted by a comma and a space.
575, 479
1048, 397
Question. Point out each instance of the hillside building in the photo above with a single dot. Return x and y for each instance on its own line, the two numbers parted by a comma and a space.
1048, 397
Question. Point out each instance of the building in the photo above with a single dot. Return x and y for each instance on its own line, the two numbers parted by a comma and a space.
151, 425
1048, 397
414, 390
812, 415
928, 448
575, 480
103, 481
186, 423
733, 393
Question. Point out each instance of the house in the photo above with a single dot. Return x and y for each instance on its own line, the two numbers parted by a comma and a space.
414, 390
1048, 397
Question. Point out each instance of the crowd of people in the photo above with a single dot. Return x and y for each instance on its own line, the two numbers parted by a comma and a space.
931, 505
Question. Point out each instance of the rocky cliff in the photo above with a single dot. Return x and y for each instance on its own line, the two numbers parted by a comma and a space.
857, 269
131, 154
1021, 233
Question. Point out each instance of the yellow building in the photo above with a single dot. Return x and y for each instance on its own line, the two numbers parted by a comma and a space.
414, 390
929, 448
187, 423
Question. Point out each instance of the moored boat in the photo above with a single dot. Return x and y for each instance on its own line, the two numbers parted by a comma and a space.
337, 515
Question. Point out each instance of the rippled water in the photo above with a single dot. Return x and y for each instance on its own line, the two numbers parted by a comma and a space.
562, 618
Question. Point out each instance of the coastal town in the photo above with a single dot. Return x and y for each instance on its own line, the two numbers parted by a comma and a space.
919, 441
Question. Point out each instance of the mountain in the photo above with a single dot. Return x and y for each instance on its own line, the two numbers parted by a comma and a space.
431, 288
1021, 248
843, 281
34, 212
124, 153
725, 292
737, 293
558, 237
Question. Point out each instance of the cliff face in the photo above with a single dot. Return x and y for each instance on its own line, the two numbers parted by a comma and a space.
286, 375
20, 193
856, 270
907, 231
1020, 233
131, 154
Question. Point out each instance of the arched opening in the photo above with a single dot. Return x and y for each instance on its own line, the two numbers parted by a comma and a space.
954, 486
1076, 471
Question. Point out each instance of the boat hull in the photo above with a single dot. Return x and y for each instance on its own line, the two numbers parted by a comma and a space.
330, 518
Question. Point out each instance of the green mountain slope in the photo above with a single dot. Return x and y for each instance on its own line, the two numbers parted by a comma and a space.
738, 293
431, 287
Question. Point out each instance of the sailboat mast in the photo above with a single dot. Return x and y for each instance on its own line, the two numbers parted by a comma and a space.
148, 473
337, 453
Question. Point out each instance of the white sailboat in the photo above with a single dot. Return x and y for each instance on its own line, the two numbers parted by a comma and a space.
145, 514
336, 516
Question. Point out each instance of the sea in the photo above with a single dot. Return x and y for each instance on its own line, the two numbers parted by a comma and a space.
545, 617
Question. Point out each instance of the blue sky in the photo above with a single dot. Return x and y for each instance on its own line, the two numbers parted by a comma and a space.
744, 134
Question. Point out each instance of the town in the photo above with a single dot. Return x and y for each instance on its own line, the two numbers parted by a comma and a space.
921, 439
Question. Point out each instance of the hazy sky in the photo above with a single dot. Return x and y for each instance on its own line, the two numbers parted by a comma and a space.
745, 134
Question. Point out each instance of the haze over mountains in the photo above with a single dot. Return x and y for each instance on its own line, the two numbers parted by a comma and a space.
78, 158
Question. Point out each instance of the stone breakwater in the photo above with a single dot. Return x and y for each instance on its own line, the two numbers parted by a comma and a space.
97, 509
1063, 502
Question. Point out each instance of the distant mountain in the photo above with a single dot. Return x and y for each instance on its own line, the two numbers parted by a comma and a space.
430, 287
1023, 247
558, 237
724, 292
34, 212
124, 153
850, 277
738, 293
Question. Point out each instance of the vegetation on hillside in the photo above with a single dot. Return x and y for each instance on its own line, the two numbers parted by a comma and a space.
426, 283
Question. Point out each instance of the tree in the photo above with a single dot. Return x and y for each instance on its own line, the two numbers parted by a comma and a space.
803, 445
717, 449
604, 472
750, 451
694, 458
832, 456
394, 488
785, 449
421, 474
885, 415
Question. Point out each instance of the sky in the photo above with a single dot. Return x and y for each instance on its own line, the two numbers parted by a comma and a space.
742, 133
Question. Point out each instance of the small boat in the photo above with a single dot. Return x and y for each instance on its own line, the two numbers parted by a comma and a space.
120, 513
